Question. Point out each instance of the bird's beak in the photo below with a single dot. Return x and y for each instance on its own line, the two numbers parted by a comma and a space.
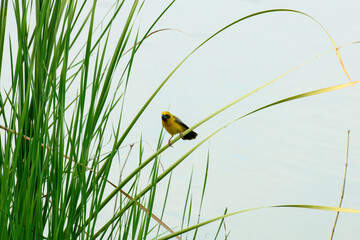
163, 117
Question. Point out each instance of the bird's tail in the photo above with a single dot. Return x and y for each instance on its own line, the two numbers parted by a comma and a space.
190, 135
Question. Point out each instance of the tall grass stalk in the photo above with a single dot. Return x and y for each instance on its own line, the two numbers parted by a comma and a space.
343, 184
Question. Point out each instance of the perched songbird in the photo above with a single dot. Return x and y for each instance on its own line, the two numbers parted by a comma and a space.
174, 125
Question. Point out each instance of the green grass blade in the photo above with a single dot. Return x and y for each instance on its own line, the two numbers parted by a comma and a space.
315, 207
203, 190
220, 225
187, 199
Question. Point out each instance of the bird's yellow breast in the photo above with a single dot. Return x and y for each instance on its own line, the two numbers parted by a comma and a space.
171, 126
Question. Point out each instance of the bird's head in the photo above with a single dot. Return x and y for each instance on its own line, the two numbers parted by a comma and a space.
165, 116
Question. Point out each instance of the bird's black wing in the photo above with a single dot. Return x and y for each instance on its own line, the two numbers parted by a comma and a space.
190, 135
177, 120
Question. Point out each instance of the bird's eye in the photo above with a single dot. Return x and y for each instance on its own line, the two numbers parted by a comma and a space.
167, 116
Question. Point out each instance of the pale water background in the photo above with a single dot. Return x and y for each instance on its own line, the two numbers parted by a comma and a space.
289, 154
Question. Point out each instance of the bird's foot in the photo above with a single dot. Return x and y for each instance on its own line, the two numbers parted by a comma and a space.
169, 142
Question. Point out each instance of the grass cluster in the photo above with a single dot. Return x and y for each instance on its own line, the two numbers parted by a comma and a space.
53, 168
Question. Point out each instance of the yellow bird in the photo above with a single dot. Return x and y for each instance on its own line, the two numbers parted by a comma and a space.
174, 125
